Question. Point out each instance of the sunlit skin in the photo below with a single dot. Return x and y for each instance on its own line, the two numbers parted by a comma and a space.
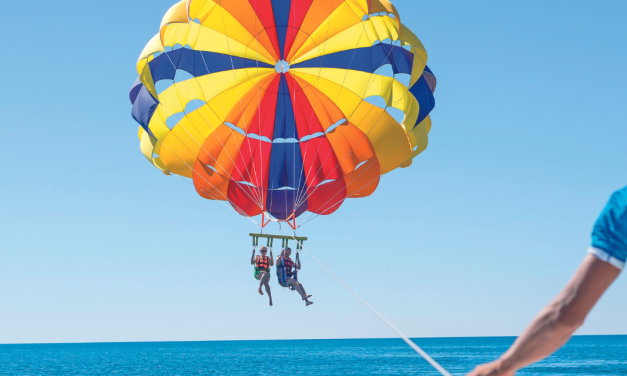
297, 285
557, 322
264, 276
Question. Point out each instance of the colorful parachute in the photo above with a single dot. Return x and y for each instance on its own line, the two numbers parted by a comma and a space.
283, 106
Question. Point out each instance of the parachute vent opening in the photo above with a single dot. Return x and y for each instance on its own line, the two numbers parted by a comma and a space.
181, 76
336, 124
258, 137
212, 168
379, 101
196, 20
193, 105
174, 119
397, 114
326, 182
380, 14
163, 85
361, 164
285, 141
235, 128
247, 183
385, 70
403, 78
309, 137
282, 66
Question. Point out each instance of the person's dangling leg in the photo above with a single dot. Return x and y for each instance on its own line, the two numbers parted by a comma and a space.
267, 285
262, 281
297, 287
304, 292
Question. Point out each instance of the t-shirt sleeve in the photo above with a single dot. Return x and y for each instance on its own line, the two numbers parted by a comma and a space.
609, 235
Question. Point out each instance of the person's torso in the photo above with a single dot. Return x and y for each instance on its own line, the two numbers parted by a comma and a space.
288, 264
263, 262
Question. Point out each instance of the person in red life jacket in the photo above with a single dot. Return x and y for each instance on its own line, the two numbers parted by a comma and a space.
262, 270
289, 278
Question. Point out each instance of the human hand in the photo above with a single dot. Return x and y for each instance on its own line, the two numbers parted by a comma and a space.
491, 369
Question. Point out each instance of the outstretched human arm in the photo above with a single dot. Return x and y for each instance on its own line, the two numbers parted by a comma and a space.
271, 259
297, 262
557, 322
252, 259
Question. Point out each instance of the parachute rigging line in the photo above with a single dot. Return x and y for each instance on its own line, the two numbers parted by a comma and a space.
239, 96
416, 348
256, 199
316, 215
365, 136
208, 122
224, 203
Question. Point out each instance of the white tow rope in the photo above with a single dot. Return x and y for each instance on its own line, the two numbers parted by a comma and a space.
416, 348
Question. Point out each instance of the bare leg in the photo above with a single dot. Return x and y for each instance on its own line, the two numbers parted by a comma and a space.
268, 290
262, 281
299, 288
304, 292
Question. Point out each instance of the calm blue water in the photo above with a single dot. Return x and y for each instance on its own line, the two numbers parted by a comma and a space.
585, 355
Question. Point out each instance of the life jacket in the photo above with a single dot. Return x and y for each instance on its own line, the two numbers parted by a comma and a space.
284, 271
263, 262
287, 264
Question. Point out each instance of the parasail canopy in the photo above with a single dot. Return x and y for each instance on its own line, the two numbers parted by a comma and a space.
283, 106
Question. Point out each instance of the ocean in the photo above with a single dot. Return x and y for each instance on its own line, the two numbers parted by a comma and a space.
583, 355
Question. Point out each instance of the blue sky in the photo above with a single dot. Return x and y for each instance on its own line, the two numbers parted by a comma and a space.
527, 144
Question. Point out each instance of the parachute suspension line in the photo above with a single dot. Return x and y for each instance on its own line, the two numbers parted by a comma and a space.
293, 144
223, 203
256, 199
217, 199
330, 152
192, 169
316, 215
237, 208
208, 122
261, 188
416, 348
305, 194
239, 96
370, 82
365, 136
379, 119
339, 92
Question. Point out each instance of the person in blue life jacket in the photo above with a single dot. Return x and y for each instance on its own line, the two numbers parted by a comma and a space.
262, 270
288, 277
557, 322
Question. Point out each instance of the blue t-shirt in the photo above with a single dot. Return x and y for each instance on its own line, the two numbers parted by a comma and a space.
609, 235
